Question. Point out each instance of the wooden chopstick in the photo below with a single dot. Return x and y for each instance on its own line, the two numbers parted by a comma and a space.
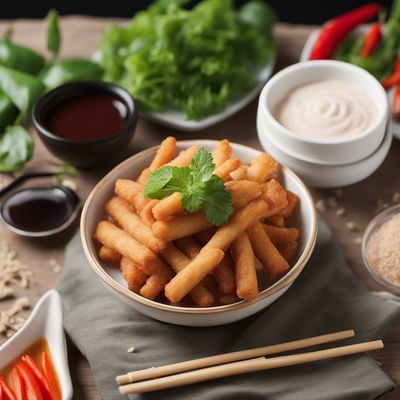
242, 367
157, 372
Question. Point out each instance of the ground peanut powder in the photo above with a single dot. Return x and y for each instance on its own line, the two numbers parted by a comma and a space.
383, 250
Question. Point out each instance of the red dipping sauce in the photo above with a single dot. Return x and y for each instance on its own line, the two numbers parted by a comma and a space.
89, 116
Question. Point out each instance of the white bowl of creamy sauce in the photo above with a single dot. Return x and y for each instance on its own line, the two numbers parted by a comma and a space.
327, 109
327, 112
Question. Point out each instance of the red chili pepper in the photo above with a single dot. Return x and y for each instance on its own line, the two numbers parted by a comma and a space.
31, 386
371, 39
393, 79
39, 375
337, 29
395, 107
51, 376
18, 385
6, 393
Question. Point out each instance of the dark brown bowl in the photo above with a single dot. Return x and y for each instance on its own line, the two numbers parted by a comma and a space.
84, 154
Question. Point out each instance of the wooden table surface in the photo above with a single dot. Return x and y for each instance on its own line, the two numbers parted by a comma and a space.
80, 35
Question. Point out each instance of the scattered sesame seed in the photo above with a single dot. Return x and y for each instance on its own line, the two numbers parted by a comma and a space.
396, 197
10, 322
12, 272
340, 212
332, 202
320, 205
358, 240
131, 350
351, 226
57, 268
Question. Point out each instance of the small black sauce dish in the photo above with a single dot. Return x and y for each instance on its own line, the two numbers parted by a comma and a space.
40, 211
85, 123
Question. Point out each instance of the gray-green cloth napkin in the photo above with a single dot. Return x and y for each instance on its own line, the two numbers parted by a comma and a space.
325, 298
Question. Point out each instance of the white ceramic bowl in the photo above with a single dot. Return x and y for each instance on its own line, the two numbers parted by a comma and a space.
323, 151
45, 321
325, 175
93, 212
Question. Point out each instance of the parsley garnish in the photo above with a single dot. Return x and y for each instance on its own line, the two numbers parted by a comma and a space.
200, 188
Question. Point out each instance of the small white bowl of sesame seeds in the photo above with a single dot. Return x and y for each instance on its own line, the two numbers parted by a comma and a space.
381, 249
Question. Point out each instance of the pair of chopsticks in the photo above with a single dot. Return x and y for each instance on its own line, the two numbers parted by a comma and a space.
238, 362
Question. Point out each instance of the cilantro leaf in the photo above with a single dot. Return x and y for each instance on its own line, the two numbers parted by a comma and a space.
156, 186
199, 187
218, 202
202, 166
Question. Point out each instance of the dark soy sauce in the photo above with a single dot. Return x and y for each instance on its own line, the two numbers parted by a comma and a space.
39, 209
93, 115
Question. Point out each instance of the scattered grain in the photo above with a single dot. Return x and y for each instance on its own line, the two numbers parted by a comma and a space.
351, 226
10, 322
340, 212
383, 250
12, 271
396, 197
57, 267
358, 240
332, 202
320, 205
131, 350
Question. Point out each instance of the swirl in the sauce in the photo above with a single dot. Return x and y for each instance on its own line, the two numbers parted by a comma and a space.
326, 109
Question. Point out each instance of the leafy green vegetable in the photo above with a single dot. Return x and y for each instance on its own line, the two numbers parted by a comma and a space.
195, 60
70, 70
8, 112
16, 148
199, 187
53, 33
20, 57
22, 89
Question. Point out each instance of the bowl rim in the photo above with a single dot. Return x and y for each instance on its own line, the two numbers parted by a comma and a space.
386, 141
309, 64
65, 91
110, 281
381, 218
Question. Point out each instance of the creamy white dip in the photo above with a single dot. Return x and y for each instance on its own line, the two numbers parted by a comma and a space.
326, 109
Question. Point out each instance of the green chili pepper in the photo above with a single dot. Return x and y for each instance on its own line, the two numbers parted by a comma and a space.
70, 70
20, 57
22, 89
381, 62
53, 33
8, 112
16, 148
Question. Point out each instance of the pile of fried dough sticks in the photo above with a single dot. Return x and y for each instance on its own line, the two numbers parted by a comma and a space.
168, 254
